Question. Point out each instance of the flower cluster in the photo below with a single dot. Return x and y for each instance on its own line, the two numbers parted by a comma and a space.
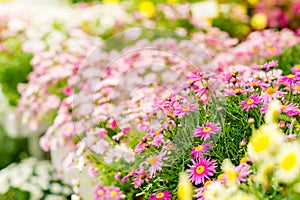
38, 178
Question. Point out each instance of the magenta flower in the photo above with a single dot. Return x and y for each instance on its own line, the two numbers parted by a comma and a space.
201, 170
251, 102
198, 151
205, 131
166, 195
289, 79
100, 192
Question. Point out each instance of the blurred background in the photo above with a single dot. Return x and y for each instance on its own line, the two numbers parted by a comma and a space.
25, 23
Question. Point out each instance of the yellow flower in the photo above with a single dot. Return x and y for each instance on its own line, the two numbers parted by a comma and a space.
110, 1
259, 21
185, 187
273, 112
253, 2
265, 142
243, 196
147, 8
229, 172
172, 1
264, 171
288, 160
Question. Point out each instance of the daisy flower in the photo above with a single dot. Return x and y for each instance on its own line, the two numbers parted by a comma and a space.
243, 170
201, 170
186, 108
114, 193
265, 142
251, 102
100, 192
289, 79
288, 161
198, 151
185, 187
166, 195
206, 130
155, 164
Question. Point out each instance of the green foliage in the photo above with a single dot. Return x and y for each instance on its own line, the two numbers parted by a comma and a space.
11, 150
288, 58
15, 194
14, 68
234, 27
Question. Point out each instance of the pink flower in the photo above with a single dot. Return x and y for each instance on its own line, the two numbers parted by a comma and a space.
100, 192
155, 164
166, 195
289, 79
114, 193
185, 109
205, 131
198, 151
251, 102
140, 176
242, 170
68, 91
158, 140
201, 170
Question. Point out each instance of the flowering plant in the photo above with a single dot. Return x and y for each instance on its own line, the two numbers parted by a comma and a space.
32, 179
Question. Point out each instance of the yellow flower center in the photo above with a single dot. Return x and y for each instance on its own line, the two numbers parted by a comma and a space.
160, 195
152, 160
298, 66
237, 90
289, 161
100, 192
255, 49
231, 175
220, 177
147, 8
291, 76
113, 193
272, 49
260, 142
270, 91
250, 101
243, 160
198, 148
207, 183
298, 88
283, 107
206, 129
186, 108
200, 169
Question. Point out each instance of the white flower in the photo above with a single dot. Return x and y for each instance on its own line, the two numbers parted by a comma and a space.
75, 197
100, 147
288, 160
56, 188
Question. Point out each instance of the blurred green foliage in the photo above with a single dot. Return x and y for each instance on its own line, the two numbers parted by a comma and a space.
15, 194
288, 58
11, 150
234, 27
14, 67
